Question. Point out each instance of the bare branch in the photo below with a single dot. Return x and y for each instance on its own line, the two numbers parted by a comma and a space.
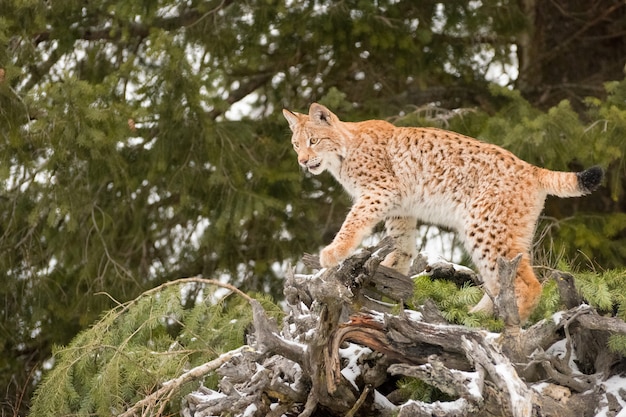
173, 385
502, 372
456, 383
505, 301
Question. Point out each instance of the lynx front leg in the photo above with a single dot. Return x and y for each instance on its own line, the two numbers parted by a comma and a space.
359, 223
404, 232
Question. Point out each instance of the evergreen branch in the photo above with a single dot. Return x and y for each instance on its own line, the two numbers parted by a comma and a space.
138, 30
109, 296
575, 37
179, 281
171, 386
112, 347
209, 282
118, 267
123, 308
37, 72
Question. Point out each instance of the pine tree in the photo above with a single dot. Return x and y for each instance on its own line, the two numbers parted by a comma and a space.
126, 161
140, 345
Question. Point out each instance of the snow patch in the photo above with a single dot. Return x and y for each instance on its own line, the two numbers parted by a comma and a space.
472, 384
615, 387
382, 403
250, 410
557, 317
513, 383
447, 408
376, 254
434, 257
353, 353
377, 316
291, 342
316, 275
414, 315
208, 396
491, 337
540, 387
559, 349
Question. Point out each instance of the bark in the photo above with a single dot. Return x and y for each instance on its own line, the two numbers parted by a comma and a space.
570, 49
341, 350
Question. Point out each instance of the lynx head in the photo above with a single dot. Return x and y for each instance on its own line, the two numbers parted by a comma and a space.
317, 139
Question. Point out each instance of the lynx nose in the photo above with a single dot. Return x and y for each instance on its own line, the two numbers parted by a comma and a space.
303, 161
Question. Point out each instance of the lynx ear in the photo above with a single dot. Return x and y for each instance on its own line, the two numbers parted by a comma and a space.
292, 118
321, 115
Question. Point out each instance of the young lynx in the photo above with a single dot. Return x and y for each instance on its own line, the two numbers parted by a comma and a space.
402, 175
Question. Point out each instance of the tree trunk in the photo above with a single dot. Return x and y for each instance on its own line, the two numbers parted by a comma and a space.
570, 49
342, 350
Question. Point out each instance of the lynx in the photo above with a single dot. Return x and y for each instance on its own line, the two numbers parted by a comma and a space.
400, 175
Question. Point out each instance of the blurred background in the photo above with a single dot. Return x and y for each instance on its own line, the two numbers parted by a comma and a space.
143, 141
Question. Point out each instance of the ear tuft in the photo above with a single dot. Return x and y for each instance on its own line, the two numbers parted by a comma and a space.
292, 118
321, 115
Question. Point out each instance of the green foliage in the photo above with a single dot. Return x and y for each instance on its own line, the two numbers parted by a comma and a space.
561, 133
142, 141
549, 303
605, 291
617, 344
139, 345
454, 302
418, 390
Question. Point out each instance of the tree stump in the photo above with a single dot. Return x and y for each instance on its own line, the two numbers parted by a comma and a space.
347, 339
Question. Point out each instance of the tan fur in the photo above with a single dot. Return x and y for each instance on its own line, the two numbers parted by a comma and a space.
402, 175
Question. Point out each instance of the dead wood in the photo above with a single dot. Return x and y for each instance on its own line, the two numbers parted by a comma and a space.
347, 338
443, 270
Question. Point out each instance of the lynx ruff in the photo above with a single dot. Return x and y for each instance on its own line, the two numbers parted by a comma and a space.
402, 175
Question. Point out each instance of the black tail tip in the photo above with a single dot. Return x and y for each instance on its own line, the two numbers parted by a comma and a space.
589, 180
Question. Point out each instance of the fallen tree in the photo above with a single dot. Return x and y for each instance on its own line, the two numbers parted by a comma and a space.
347, 339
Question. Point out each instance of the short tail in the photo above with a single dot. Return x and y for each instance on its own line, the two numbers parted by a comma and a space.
570, 184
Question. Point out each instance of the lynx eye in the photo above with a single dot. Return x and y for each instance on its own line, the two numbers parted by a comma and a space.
295, 145
314, 141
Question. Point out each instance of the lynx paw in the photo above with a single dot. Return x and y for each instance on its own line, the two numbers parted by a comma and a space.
485, 305
399, 261
331, 255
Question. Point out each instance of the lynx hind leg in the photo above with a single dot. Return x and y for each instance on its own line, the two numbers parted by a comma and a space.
527, 289
404, 232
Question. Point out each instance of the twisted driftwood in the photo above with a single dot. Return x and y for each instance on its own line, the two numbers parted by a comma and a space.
347, 340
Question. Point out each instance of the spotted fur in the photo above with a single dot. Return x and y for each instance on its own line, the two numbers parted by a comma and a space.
400, 175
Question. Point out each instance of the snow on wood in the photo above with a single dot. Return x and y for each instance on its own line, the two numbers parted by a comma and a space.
613, 399
340, 352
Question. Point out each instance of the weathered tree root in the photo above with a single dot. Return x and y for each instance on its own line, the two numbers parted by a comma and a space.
341, 348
